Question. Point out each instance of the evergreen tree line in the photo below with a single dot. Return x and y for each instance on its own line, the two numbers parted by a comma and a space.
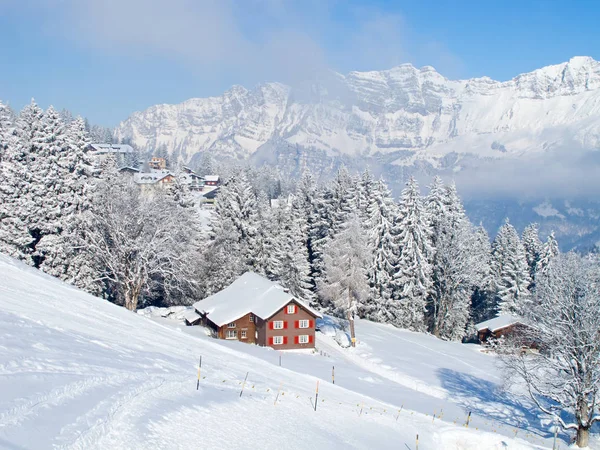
78, 218
345, 246
351, 250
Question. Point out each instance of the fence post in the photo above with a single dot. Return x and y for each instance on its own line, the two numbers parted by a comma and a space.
278, 391
199, 368
333, 374
417, 441
468, 420
317, 395
244, 384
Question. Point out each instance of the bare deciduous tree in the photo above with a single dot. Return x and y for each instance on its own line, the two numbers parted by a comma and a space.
563, 321
138, 242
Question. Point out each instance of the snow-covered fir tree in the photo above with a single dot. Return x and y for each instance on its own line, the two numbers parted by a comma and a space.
73, 195
7, 129
483, 299
383, 303
236, 210
292, 261
413, 277
18, 185
364, 195
511, 270
548, 252
533, 249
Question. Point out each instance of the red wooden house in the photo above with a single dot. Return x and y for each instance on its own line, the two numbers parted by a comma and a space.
258, 311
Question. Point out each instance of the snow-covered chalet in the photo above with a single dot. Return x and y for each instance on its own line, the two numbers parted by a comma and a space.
258, 311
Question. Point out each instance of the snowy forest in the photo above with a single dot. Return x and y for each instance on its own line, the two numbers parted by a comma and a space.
346, 246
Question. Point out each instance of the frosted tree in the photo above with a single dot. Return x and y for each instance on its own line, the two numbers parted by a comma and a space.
20, 186
563, 379
7, 129
73, 189
548, 252
345, 284
321, 225
382, 304
140, 243
533, 249
457, 268
306, 202
342, 199
512, 271
483, 298
293, 265
413, 277
365, 192
236, 205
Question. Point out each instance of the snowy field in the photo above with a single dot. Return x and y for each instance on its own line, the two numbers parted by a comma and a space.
79, 373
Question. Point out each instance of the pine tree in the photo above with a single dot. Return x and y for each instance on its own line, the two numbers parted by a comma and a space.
512, 271
413, 278
342, 199
7, 129
483, 298
305, 204
548, 252
533, 249
73, 190
384, 251
456, 268
293, 265
365, 192
18, 186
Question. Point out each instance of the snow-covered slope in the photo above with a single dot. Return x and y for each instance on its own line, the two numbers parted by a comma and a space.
404, 108
78, 372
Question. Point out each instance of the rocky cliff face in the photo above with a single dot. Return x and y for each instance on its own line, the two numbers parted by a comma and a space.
376, 113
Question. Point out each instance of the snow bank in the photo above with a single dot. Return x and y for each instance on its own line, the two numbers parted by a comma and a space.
77, 372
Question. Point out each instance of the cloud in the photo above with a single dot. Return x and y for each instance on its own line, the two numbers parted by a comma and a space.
258, 40
566, 172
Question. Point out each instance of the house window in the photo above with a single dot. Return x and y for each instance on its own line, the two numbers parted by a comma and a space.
291, 309
303, 339
231, 334
251, 317
243, 334
303, 324
278, 325
277, 340
231, 325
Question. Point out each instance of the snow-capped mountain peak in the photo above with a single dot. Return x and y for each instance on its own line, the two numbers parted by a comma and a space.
381, 112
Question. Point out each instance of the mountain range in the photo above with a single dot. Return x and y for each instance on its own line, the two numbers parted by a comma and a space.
402, 121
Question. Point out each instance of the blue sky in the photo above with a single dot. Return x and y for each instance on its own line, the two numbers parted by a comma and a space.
104, 59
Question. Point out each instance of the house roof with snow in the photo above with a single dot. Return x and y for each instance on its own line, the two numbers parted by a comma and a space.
129, 169
250, 293
149, 177
211, 177
497, 323
111, 148
191, 315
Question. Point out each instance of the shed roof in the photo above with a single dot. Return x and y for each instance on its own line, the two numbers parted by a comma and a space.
112, 148
211, 177
499, 322
250, 293
149, 177
191, 315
